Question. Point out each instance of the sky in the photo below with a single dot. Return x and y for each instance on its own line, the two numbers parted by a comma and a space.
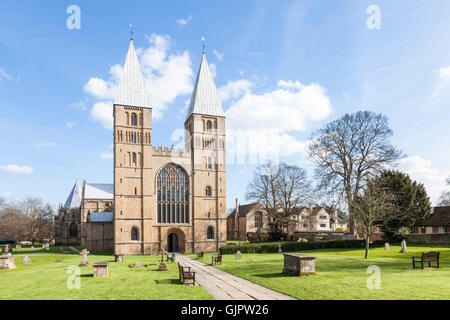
282, 68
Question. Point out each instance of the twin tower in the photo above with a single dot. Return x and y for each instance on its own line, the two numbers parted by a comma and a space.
168, 199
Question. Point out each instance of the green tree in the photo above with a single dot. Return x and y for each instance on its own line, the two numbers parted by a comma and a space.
413, 205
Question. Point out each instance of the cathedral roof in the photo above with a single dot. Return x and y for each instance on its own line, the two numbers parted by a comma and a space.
74, 199
131, 90
99, 191
205, 99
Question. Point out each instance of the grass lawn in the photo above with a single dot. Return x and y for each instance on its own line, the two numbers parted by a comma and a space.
342, 274
46, 279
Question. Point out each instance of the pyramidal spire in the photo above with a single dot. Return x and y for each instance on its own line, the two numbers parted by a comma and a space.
131, 90
205, 99
74, 199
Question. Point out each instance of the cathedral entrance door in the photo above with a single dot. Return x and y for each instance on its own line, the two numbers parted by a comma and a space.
172, 243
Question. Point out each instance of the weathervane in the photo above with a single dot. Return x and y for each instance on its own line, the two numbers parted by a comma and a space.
131, 32
203, 39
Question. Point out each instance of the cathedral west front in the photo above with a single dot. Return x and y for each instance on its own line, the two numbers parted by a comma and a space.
162, 198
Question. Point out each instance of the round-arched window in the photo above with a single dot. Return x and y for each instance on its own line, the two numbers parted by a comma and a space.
208, 191
172, 187
134, 234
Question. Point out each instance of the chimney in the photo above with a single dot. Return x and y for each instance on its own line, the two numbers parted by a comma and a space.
237, 206
311, 206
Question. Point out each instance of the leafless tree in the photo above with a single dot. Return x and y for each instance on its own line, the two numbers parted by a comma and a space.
444, 199
349, 151
281, 190
373, 208
38, 219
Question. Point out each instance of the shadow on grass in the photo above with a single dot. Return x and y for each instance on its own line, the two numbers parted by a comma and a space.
86, 275
168, 281
276, 275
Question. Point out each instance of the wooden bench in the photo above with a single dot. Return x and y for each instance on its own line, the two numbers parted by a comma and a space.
200, 255
216, 260
185, 274
427, 257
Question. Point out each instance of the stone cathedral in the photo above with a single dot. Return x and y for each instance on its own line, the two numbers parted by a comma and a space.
163, 198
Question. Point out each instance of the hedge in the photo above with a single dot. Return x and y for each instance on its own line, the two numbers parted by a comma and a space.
291, 246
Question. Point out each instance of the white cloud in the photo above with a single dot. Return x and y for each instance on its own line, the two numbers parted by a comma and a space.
219, 55
70, 124
289, 108
106, 155
100, 88
46, 145
444, 72
4, 75
82, 104
234, 89
103, 112
183, 22
13, 168
422, 171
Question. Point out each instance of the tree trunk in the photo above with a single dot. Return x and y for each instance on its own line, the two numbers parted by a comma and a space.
367, 247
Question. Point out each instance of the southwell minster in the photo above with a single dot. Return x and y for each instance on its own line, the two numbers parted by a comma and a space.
162, 198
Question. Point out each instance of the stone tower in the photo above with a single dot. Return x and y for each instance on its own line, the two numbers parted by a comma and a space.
132, 160
205, 140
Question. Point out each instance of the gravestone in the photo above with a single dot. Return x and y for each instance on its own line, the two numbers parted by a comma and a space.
138, 265
162, 265
100, 269
387, 246
238, 255
59, 260
18, 247
47, 248
279, 249
84, 254
26, 260
32, 248
404, 249
118, 258
7, 262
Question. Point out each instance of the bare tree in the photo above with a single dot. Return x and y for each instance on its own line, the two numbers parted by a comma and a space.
39, 224
444, 199
281, 190
372, 209
348, 152
12, 224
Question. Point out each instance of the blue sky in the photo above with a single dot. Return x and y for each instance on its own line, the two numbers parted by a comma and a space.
290, 66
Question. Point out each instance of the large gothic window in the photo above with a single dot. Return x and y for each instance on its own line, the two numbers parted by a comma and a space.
172, 187
258, 220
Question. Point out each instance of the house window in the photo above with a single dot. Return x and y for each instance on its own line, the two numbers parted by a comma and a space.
435, 229
258, 220
323, 225
305, 225
423, 230
210, 233
134, 234
323, 217
172, 184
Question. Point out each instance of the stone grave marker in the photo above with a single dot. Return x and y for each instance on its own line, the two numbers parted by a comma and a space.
238, 255
84, 254
7, 262
32, 248
404, 248
279, 249
26, 260
162, 265
387, 246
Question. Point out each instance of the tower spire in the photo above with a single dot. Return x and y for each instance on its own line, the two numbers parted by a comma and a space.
131, 32
203, 39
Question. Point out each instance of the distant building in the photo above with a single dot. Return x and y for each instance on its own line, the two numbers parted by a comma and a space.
252, 221
86, 218
437, 223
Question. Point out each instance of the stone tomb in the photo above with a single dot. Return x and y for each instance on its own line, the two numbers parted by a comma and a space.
299, 264
7, 262
100, 269
118, 258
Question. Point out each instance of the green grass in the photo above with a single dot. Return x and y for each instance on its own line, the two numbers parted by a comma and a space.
342, 274
46, 279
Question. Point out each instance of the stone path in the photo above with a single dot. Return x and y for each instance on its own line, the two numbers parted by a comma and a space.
225, 286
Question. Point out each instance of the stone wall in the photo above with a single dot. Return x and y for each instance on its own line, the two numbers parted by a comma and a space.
429, 238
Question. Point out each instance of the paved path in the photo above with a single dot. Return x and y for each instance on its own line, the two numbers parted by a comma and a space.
225, 286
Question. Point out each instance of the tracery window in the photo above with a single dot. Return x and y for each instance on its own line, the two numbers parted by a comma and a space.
258, 220
172, 185
73, 230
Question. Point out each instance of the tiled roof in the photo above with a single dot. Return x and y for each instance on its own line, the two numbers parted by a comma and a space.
101, 217
205, 99
244, 209
132, 90
74, 198
440, 217
99, 191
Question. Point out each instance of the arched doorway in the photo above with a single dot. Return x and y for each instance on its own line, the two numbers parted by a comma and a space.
172, 242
